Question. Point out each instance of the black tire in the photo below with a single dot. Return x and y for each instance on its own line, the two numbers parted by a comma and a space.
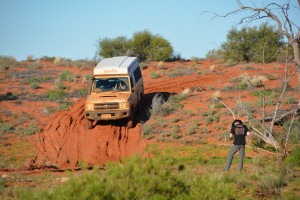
130, 122
140, 105
89, 124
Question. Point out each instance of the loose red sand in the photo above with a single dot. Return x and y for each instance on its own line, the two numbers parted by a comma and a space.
66, 142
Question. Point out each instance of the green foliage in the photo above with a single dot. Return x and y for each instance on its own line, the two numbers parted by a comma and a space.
160, 49
66, 75
290, 99
164, 108
215, 54
154, 75
114, 47
175, 131
6, 128
181, 71
140, 44
161, 177
55, 95
260, 93
7, 62
143, 45
147, 129
31, 129
295, 131
250, 44
64, 106
294, 158
34, 83
241, 86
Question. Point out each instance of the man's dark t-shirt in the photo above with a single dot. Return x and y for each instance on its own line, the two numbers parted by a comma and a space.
239, 131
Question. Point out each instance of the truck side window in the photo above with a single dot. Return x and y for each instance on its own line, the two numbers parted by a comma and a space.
137, 74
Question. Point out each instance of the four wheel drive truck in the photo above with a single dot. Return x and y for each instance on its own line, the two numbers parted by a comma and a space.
116, 91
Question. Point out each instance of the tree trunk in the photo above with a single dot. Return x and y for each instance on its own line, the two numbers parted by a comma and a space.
297, 59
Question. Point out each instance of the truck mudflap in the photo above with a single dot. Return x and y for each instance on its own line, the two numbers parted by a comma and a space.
107, 114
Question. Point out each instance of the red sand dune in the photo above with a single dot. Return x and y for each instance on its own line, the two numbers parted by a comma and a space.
66, 142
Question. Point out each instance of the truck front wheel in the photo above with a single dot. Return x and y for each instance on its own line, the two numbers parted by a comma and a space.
89, 124
130, 122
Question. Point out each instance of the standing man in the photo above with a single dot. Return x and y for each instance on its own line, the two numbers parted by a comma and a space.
239, 131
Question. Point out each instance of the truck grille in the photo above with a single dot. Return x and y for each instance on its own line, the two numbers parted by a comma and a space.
106, 106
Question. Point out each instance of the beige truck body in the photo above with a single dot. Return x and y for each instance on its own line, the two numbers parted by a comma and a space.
116, 90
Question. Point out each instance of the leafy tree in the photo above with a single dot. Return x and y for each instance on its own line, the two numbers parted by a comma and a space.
255, 44
160, 49
143, 45
140, 44
114, 47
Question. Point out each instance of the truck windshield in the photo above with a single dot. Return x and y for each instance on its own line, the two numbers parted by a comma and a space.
111, 84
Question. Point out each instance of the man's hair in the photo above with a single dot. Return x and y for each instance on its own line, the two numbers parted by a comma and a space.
238, 121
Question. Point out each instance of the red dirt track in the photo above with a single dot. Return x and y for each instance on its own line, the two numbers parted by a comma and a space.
66, 142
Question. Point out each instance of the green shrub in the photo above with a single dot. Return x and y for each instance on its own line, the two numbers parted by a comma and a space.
66, 75
143, 45
175, 132
250, 44
7, 62
241, 86
154, 75
294, 158
147, 129
64, 106
113, 47
6, 128
55, 95
181, 71
248, 67
86, 77
29, 58
34, 85
191, 130
290, 99
31, 129
175, 119
135, 178
260, 93
160, 49
215, 54
164, 108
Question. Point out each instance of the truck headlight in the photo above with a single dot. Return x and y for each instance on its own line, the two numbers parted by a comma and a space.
124, 105
89, 106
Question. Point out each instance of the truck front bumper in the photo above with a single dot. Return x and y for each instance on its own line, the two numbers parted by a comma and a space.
107, 114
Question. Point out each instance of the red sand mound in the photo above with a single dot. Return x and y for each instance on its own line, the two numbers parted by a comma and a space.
66, 142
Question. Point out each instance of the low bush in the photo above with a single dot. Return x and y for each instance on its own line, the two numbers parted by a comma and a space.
31, 129
55, 95
6, 128
161, 177
7, 62
154, 75
146, 129
66, 75
294, 158
162, 107
34, 85
181, 71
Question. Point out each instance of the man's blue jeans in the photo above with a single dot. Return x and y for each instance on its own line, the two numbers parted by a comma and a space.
233, 150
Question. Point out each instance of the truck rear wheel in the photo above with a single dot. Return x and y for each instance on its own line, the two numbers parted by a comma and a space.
89, 124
